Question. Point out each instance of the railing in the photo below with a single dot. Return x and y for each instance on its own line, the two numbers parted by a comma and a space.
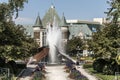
20, 74
5, 74
117, 75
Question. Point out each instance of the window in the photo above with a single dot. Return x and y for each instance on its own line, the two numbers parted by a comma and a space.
37, 35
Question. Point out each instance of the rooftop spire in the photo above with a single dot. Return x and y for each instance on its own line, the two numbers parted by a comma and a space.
63, 21
38, 22
52, 6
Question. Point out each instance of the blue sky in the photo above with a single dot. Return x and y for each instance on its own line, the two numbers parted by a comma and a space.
73, 9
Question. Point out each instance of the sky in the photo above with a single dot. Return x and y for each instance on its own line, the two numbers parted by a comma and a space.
72, 9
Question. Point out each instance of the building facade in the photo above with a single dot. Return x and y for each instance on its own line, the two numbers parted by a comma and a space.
101, 20
69, 28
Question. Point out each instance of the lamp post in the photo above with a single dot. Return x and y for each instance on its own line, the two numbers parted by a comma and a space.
77, 49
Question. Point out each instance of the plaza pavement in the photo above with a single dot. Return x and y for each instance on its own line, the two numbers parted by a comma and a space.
58, 72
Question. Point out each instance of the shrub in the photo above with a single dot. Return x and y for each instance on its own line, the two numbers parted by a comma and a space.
107, 69
14, 66
2, 62
106, 66
111, 67
99, 64
10, 68
21, 66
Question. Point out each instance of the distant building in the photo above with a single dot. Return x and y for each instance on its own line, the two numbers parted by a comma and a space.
82, 29
70, 28
100, 20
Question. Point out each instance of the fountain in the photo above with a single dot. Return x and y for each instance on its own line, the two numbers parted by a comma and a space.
56, 47
55, 42
54, 38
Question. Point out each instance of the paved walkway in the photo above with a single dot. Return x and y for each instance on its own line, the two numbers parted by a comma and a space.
56, 73
88, 75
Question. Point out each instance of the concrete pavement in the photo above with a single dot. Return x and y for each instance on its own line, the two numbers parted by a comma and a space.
85, 73
55, 73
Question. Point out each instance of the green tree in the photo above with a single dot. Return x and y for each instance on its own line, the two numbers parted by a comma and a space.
14, 42
105, 42
73, 44
114, 10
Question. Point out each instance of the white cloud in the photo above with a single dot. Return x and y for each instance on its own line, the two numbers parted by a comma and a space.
23, 20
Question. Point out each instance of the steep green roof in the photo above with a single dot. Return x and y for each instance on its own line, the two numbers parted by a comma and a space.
63, 21
76, 29
38, 22
49, 16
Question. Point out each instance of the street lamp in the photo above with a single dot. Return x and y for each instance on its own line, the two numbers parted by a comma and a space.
77, 49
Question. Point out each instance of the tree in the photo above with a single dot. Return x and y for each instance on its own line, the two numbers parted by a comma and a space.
7, 10
14, 42
73, 44
114, 10
106, 42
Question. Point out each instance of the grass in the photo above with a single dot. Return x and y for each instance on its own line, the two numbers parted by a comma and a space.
74, 58
100, 76
105, 77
